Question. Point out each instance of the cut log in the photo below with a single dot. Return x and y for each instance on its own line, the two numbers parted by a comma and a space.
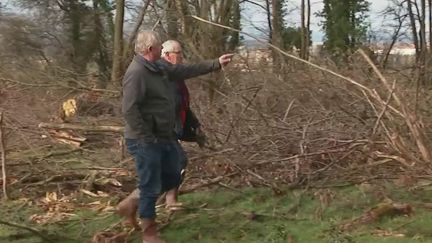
87, 128
68, 137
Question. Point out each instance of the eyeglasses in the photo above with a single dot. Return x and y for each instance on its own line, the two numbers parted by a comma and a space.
175, 52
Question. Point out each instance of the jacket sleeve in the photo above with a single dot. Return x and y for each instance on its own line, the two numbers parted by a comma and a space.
133, 94
187, 71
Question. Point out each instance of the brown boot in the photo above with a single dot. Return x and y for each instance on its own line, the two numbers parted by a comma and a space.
128, 208
150, 232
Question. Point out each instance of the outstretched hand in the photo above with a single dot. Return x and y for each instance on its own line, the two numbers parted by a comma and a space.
225, 59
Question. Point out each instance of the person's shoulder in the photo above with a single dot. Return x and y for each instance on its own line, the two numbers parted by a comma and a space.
163, 63
136, 68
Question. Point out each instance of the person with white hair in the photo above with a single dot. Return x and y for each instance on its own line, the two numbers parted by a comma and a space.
188, 128
149, 111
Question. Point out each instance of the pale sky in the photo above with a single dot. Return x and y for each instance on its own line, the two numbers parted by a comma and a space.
254, 16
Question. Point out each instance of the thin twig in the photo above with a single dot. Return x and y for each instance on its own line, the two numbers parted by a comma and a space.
288, 110
384, 109
297, 156
241, 113
3, 158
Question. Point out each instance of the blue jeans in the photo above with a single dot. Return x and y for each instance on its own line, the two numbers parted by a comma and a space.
182, 158
158, 167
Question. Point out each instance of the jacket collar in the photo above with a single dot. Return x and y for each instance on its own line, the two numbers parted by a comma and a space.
152, 66
162, 61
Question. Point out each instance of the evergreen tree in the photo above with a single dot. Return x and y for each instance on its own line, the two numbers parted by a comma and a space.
344, 24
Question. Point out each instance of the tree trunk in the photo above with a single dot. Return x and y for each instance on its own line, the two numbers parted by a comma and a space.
235, 23
105, 5
303, 30
308, 41
186, 24
116, 71
102, 59
269, 22
75, 22
423, 45
430, 24
413, 29
172, 20
393, 42
277, 28
129, 48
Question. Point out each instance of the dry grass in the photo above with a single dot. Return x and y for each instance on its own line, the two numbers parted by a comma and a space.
295, 126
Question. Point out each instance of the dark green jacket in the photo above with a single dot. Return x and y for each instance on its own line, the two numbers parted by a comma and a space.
149, 97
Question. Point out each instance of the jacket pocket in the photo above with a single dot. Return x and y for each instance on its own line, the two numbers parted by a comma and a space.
162, 126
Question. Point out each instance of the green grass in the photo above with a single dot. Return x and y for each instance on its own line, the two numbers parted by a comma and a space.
225, 216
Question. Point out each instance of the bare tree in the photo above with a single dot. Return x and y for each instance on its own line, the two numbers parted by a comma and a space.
398, 14
430, 24
305, 29
101, 45
128, 50
116, 71
172, 19
277, 29
269, 18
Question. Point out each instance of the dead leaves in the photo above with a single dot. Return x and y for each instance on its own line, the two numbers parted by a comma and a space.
57, 209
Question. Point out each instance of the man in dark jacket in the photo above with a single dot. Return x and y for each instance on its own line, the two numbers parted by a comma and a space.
187, 129
149, 110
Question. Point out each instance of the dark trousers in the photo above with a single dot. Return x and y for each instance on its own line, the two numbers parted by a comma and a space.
158, 166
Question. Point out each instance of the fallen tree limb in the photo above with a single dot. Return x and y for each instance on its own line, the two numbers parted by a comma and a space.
378, 212
60, 153
37, 181
87, 128
33, 230
412, 120
207, 155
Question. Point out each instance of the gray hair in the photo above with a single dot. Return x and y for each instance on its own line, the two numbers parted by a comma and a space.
168, 46
146, 39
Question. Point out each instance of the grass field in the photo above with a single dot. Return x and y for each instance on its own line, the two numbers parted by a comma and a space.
247, 215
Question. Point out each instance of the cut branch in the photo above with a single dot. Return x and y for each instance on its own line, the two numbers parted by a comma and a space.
410, 119
3, 158
87, 128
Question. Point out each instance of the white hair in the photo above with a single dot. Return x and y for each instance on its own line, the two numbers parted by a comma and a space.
146, 39
168, 46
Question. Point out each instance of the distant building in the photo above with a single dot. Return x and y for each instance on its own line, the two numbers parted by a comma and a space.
403, 49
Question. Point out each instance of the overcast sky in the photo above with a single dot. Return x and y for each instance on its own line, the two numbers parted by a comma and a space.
254, 17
